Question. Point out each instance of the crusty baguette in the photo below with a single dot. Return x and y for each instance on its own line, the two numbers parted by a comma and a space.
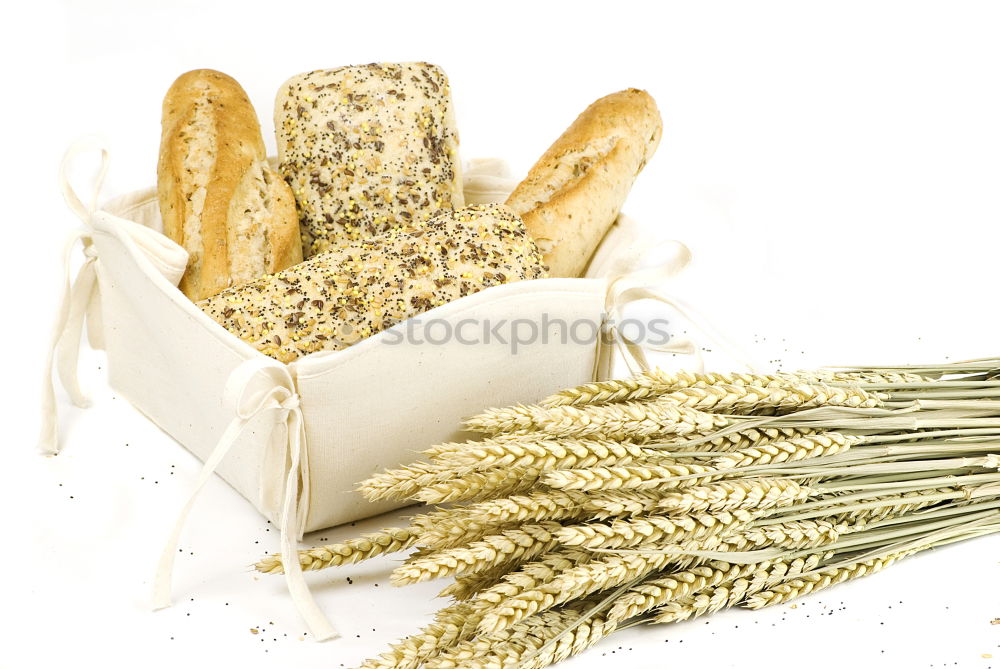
367, 148
574, 192
219, 198
335, 299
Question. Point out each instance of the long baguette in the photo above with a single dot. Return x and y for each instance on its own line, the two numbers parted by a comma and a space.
574, 192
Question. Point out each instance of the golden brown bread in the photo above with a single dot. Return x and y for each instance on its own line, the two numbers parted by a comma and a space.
574, 192
219, 198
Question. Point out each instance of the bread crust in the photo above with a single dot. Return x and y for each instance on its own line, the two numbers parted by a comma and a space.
209, 113
575, 191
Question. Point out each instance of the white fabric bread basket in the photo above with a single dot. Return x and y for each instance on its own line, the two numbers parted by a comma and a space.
295, 439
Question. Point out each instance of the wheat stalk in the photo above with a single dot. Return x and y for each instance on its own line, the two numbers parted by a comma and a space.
405, 481
411, 652
653, 529
653, 383
796, 534
367, 546
732, 441
530, 507
533, 574
473, 486
730, 593
612, 421
637, 477
803, 585
574, 583
523, 543
749, 398
663, 589
544, 454
762, 493
788, 450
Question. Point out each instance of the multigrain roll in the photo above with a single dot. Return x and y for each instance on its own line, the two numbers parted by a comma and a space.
366, 149
574, 192
363, 287
219, 198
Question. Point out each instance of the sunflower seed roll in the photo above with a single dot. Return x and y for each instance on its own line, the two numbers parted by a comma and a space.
367, 148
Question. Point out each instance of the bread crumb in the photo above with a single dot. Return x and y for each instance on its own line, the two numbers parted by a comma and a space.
794, 606
254, 630
995, 621
987, 656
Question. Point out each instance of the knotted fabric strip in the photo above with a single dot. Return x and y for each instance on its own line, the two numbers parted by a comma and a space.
629, 283
77, 295
262, 385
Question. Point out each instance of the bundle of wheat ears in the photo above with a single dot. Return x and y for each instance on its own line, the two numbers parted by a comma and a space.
668, 496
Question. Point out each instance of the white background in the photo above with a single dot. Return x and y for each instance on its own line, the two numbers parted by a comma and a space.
835, 168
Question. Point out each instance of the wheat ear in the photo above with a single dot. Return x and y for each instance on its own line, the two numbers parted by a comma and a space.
663, 589
367, 546
731, 441
530, 507
523, 543
574, 583
763, 493
803, 585
403, 482
613, 421
543, 454
796, 534
730, 593
725, 398
476, 486
411, 652
788, 450
636, 477
648, 530
653, 383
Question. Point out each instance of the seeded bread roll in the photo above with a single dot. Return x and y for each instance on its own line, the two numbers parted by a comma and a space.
366, 149
219, 198
574, 192
337, 298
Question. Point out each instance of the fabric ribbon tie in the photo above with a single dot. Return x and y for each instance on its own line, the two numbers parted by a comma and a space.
80, 297
628, 281
258, 386
64, 351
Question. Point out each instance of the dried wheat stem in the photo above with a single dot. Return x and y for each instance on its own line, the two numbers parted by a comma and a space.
731, 593
788, 450
726, 398
405, 481
803, 585
449, 628
763, 493
731, 441
796, 534
530, 507
574, 583
533, 574
506, 647
653, 383
604, 504
449, 528
367, 546
636, 477
828, 376
653, 529
543, 453
523, 543
476, 486
663, 589
612, 421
